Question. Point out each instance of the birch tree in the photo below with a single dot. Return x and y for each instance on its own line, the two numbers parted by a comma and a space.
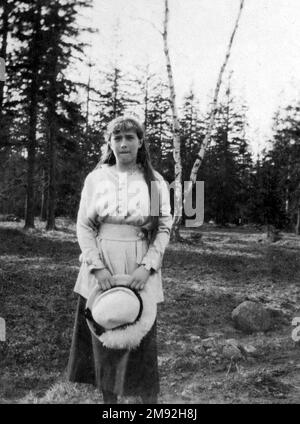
176, 133
176, 125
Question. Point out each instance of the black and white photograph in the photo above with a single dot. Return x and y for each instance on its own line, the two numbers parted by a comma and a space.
149, 204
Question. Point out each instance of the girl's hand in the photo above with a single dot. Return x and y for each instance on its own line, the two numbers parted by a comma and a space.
104, 278
139, 278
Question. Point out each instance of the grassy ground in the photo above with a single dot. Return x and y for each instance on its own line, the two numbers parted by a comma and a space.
203, 282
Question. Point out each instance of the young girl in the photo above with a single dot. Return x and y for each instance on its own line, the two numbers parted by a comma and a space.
119, 233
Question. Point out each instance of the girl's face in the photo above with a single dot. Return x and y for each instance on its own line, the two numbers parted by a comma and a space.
125, 145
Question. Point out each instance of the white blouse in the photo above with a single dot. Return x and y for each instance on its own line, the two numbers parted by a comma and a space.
109, 196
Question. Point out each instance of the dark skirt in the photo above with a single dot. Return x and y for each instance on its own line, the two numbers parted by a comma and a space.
121, 371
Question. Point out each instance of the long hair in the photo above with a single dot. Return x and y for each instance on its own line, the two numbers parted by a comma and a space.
126, 123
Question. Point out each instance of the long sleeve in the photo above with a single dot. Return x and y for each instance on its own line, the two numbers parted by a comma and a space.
87, 229
154, 256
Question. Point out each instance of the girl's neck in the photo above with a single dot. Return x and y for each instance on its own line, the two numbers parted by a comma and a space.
130, 167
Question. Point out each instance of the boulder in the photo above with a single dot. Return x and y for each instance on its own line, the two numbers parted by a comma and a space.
251, 316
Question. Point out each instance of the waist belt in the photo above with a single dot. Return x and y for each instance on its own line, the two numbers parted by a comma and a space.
121, 232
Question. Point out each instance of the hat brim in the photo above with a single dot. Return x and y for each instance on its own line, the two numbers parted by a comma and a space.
131, 336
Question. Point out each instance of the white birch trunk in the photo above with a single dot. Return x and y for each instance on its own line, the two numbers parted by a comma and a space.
176, 132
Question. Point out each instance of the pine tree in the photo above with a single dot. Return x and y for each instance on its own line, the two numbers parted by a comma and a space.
266, 206
23, 86
192, 132
61, 26
227, 167
35, 50
158, 133
285, 152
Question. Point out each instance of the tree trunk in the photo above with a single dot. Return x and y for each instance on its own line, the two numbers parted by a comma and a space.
43, 215
175, 234
146, 98
287, 187
297, 228
52, 126
33, 105
4, 30
52, 133
115, 92
88, 88
42, 202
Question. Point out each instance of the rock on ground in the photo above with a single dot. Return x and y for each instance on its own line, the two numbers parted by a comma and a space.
251, 316
231, 351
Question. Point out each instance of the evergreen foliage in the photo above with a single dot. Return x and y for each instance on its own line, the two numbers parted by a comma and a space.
52, 127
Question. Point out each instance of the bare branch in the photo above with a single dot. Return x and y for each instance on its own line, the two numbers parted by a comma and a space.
150, 23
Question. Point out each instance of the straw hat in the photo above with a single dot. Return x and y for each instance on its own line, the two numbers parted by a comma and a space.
120, 317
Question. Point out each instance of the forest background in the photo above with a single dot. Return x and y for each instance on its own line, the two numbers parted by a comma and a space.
55, 104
